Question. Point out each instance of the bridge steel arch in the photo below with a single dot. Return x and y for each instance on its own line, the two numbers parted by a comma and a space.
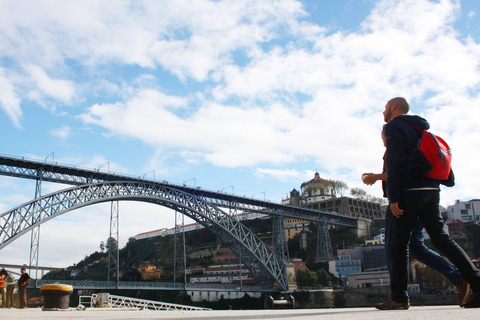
263, 262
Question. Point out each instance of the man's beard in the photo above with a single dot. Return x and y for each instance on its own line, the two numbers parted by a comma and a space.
388, 115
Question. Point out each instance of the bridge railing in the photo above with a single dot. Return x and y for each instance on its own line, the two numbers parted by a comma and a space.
112, 285
120, 302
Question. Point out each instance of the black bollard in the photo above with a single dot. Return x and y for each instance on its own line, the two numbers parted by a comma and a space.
56, 296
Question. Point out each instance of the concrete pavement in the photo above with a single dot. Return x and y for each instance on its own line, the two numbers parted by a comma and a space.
414, 313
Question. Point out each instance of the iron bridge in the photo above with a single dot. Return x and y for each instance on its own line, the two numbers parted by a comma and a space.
212, 209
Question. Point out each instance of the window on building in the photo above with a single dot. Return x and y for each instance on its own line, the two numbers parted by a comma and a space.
468, 206
464, 212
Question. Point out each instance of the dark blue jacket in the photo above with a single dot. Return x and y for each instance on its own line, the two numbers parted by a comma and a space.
402, 138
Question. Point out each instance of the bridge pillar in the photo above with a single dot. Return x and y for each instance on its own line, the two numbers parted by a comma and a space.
279, 238
112, 243
35, 235
179, 259
324, 246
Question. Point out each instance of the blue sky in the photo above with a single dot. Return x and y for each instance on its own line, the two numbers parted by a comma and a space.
251, 97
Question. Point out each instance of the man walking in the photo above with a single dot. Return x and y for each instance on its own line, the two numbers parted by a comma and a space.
418, 249
411, 199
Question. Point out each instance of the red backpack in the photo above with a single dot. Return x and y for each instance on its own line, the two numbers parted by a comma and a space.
438, 153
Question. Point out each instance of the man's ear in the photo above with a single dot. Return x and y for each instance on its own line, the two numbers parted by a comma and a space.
393, 106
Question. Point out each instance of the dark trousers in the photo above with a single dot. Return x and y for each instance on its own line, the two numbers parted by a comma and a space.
424, 204
10, 289
419, 251
22, 296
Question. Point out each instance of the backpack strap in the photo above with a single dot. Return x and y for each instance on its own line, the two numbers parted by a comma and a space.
420, 137
415, 127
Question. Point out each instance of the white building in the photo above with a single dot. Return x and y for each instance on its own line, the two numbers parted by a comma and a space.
381, 236
223, 274
465, 211
377, 278
316, 190
194, 226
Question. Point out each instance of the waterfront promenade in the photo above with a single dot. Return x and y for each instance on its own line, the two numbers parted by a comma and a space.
414, 313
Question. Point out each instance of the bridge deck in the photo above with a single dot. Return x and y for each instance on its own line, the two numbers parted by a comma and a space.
73, 175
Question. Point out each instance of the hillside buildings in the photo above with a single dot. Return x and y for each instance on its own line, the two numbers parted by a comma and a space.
320, 194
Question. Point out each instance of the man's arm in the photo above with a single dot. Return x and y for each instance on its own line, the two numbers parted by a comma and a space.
370, 178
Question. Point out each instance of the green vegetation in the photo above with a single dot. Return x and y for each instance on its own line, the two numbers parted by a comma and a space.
307, 278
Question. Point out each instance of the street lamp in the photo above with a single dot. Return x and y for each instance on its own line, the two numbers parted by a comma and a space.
233, 189
108, 166
148, 173
259, 193
194, 182
53, 157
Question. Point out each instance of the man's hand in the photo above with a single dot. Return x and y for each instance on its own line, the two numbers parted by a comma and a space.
396, 211
369, 178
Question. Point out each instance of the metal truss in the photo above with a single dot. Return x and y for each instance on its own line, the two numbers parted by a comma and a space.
112, 242
179, 254
29, 169
264, 264
35, 236
119, 302
279, 240
324, 246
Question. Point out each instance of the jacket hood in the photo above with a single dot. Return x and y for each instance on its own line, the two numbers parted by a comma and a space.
417, 121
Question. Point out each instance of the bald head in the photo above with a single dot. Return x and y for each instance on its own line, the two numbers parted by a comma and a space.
395, 107
402, 105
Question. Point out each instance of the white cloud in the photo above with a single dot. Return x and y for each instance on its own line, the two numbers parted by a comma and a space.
284, 174
61, 90
63, 133
9, 100
189, 38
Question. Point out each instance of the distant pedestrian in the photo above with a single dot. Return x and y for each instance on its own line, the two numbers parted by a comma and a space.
10, 286
22, 288
2, 287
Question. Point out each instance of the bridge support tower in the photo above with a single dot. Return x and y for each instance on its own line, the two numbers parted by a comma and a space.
112, 243
324, 246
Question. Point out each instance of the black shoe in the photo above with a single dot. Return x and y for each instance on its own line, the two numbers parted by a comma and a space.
473, 301
389, 304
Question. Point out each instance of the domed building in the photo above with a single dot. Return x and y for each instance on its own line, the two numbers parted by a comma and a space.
316, 190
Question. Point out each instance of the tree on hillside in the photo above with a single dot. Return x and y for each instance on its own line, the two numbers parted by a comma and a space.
323, 278
358, 193
339, 187
307, 278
